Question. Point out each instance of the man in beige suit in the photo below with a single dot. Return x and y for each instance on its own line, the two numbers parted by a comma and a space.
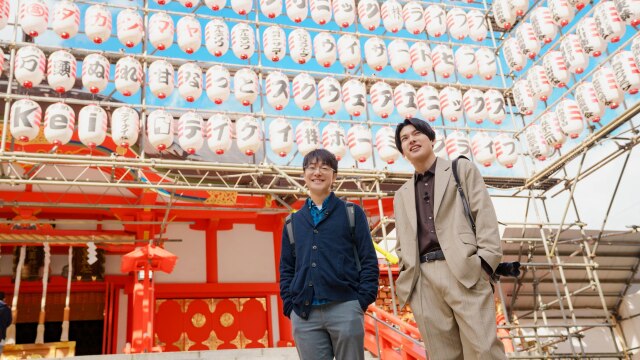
444, 268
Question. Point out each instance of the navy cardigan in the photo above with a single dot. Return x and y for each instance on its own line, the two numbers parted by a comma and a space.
323, 264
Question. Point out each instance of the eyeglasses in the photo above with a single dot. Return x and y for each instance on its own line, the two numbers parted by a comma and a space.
322, 169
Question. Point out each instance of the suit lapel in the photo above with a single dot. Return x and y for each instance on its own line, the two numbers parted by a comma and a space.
409, 201
443, 174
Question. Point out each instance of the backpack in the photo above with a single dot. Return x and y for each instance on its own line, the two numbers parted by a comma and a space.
351, 215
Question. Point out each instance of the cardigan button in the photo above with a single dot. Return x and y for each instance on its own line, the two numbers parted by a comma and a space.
315, 231
314, 247
313, 264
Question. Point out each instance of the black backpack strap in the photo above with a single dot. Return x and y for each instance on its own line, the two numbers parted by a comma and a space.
351, 215
289, 226
465, 203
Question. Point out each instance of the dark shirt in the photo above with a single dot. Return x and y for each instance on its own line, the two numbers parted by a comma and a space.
424, 186
317, 215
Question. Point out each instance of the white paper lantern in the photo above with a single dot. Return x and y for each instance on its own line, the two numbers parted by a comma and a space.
496, 110
307, 137
482, 148
523, 97
368, 14
429, 102
190, 81
66, 19
457, 144
360, 142
30, 66
300, 45
128, 77
344, 12
513, 56
61, 71
297, 10
555, 68
404, 97
561, 11
161, 78
246, 86
538, 147
466, 63
129, 27
477, 25
457, 23
92, 126
506, 151
189, 34
189, 3
4, 12
551, 130
277, 89
590, 106
443, 61
162, 2
304, 91
570, 118
190, 132
413, 16
219, 133
590, 39
274, 43
216, 36
474, 105
349, 51
435, 20
610, 26
95, 73
281, 136
325, 48
97, 23
381, 99
420, 55
527, 40
487, 64
451, 103
606, 87
635, 49
538, 83
438, 145
330, 95
125, 126
242, 7
25, 120
391, 12
160, 129
271, 8
59, 123
1, 60
629, 11
320, 11
333, 139
579, 4
626, 71
243, 41
375, 53
33, 17
543, 25
399, 55
354, 95
503, 14
161, 30
215, 5
386, 145
574, 56
519, 7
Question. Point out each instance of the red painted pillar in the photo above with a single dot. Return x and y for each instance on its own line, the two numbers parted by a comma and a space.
212, 251
284, 324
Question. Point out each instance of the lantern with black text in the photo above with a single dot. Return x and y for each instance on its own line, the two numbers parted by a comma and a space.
590, 106
474, 105
487, 64
413, 16
333, 139
360, 142
399, 56
386, 145
513, 56
330, 95
519, 7
435, 20
216, 37
404, 97
523, 97
243, 41
325, 49
219, 133
477, 25
539, 83
274, 43
277, 90
59, 123
457, 23
161, 78
271, 8
354, 96
95, 73
304, 91
190, 81
543, 25
320, 11
349, 51
30, 66
129, 27
391, 12
482, 148
466, 63
421, 61
610, 27
344, 12
590, 39
629, 11
574, 56
189, 34
369, 14
606, 87
451, 103
66, 19
125, 126
550, 126
438, 145
92, 126
381, 99
443, 61
97, 23
561, 11
307, 137
527, 41
33, 17
161, 30
428, 100
25, 120
190, 132
555, 68
160, 129
626, 71
300, 46
249, 135
457, 144
297, 10
375, 53
570, 118
503, 14
496, 109
538, 147
506, 151
245, 86
281, 136
128, 78
61, 71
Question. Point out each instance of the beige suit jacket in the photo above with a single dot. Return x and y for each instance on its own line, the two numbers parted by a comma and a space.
461, 248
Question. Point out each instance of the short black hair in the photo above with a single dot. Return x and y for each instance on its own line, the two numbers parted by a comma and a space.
322, 157
419, 124
1, 295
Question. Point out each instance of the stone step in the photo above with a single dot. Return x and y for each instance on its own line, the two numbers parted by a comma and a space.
243, 354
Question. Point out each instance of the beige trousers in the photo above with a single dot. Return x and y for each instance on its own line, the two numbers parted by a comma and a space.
455, 322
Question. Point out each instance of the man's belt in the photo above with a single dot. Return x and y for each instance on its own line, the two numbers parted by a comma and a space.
432, 256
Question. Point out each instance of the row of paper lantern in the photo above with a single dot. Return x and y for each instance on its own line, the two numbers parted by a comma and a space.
558, 13
591, 37
34, 18
219, 131
449, 102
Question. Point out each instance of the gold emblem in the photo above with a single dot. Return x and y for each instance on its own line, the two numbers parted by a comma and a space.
226, 320
198, 320
222, 198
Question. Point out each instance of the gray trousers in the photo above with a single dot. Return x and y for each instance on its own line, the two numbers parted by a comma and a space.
334, 329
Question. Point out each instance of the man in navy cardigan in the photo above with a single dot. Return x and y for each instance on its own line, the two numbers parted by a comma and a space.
322, 290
